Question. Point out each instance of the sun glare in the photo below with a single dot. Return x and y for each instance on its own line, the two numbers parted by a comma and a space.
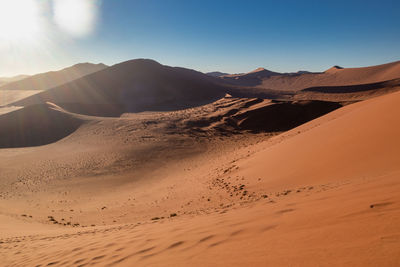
76, 17
19, 20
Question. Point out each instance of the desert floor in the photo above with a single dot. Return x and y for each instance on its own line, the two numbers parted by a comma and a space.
191, 188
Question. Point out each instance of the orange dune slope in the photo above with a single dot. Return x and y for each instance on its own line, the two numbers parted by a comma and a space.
362, 143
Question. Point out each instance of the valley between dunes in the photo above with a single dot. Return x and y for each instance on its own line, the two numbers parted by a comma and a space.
220, 184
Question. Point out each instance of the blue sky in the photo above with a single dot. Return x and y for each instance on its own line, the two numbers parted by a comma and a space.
229, 36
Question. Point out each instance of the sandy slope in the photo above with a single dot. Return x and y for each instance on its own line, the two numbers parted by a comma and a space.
322, 194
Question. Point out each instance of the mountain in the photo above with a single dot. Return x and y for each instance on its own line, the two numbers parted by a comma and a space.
132, 86
47, 80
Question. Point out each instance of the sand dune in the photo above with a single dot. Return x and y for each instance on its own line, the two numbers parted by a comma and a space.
47, 80
334, 76
36, 125
23, 86
42, 124
133, 86
348, 92
226, 181
10, 96
216, 74
252, 78
259, 115
351, 91
320, 194
5, 80
365, 144
353, 88
144, 85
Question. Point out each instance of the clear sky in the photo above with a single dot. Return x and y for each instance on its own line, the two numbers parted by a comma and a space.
229, 36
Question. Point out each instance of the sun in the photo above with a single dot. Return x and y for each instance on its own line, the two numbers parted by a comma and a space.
19, 20
76, 17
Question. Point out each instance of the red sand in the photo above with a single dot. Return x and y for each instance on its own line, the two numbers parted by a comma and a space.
191, 187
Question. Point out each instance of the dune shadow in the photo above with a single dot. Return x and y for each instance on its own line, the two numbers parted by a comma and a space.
36, 125
283, 116
354, 88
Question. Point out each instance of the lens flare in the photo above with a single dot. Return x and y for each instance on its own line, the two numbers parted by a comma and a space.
76, 17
